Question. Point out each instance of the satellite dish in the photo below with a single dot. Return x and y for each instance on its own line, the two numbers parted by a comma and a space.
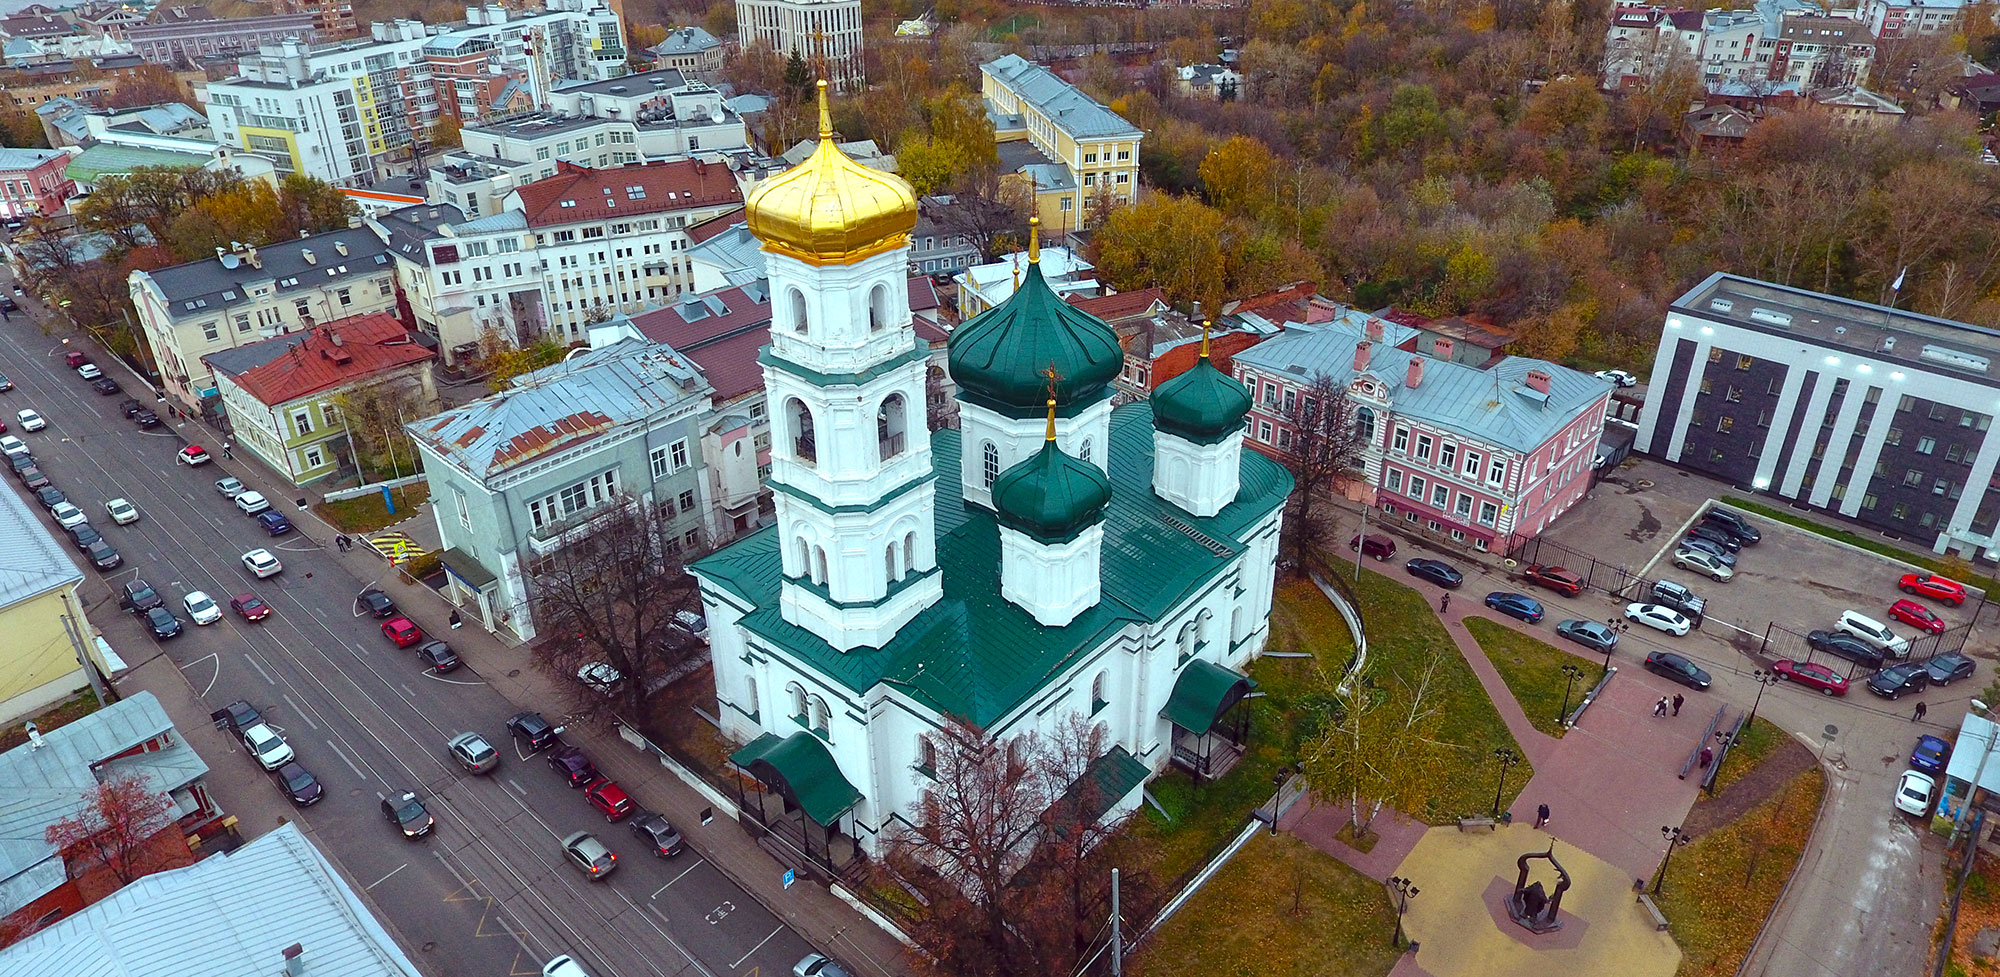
231, 261
715, 112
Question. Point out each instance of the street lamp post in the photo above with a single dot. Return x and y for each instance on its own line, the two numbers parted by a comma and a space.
1965, 804
1675, 837
1573, 673
1765, 678
1507, 759
1618, 627
1405, 891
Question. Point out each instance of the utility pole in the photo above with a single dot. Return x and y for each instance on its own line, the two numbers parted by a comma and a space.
1117, 935
70, 628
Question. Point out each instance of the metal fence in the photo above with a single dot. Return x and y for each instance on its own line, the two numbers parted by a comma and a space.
1616, 579
1783, 642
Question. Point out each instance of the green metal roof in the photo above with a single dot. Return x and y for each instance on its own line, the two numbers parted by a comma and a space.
104, 160
1051, 496
1000, 357
1202, 693
976, 655
1202, 405
1108, 780
800, 766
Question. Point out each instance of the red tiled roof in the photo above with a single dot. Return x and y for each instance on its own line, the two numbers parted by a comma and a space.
1121, 305
372, 344
592, 195
704, 230
1403, 318
923, 295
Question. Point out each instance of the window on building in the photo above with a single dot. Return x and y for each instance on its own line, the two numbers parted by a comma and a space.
1892, 436
1899, 511
1285, 439
1496, 473
990, 463
1869, 501
657, 460
1913, 478
1733, 395
1393, 479
804, 446
302, 421
889, 427
1724, 424
1364, 426
687, 500
1463, 506
1402, 439
1417, 486
1488, 513
1941, 486
1097, 699
1264, 431
1954, 452
211, 331
1707, 385
1440, 494
1926, 445
346, 296
1744, 362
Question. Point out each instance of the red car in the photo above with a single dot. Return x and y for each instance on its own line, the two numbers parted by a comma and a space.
1554, 578
1934, 587
249, 607
402, 631
1812, 675
609, 798
1917, 616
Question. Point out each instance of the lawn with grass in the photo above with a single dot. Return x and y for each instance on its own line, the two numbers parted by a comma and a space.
1758, 742
61, 714
1721, 887
1866, 542
366, 513
1278, 908
1532, 669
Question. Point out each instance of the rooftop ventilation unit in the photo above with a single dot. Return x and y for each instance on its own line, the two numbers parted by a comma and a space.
1952, 357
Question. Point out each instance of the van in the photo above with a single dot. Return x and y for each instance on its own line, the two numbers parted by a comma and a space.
1379, 547
1874, 632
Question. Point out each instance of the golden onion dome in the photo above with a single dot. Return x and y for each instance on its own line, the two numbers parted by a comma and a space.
830, 209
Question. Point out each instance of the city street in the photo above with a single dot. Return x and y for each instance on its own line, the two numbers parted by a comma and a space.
490, 891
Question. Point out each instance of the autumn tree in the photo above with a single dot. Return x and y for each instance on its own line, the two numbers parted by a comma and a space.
148, 84
373, 417
1323, 444
21, 129
1163, 239
609, 593
116, 828
1382, 747
503, 360
446, 133
645, 37
1240, 176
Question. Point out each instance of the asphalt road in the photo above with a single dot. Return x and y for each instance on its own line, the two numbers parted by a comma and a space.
489, 892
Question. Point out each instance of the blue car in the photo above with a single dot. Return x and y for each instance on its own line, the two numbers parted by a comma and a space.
1930, 754
274, 523
1516, 605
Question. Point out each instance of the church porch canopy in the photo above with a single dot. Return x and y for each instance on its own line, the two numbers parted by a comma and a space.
801, 769
1203, 693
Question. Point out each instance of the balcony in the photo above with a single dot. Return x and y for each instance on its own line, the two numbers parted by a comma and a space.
549, 537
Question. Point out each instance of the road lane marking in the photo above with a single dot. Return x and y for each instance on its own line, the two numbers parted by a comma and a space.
252, 659
303, 717
759, 946
344, 759
677, 878
511, 782
412, 693
386, 878
212, 678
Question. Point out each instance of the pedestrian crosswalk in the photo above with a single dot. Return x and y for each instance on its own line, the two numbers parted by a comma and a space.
397, 548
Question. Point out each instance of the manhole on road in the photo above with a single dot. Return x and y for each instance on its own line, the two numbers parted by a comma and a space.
516, 673
1644, 483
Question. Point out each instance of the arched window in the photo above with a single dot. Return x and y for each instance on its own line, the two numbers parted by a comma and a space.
1187, 639
1201, 627
804, 447
909, 551
820, 716
798, 694
990, 456
1364, 425
926, 754
798, 312
750, 691
889, 562
805, 558
878, 308
1236, 625
819, 565
1097, 699
889, 427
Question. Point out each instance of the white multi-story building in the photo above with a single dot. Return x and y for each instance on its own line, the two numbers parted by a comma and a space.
1901, 18
466, 279
1775, 40
828, 30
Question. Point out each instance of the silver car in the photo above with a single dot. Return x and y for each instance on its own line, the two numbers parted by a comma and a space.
473, 753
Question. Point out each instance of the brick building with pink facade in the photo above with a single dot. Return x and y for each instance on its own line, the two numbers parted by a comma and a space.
1486, 457
32, 182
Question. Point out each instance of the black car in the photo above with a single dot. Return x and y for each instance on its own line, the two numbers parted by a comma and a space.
34, 478
1595, 635
130, 407
405, 811
163, 623
659, 834
1892, 682
140, 597
532, 727
83, 536
1734, 524
299, 784
1846, 646
106, 385
1437, 572
50, 496
236, 716
437, 656
102, 556
576, 768
1948, 668
21, 462
147, 420
377, 603
1717, 535
1678, 669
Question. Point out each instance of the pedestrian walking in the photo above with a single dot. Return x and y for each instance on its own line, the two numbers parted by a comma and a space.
1919, 717
1444, 603
1678, 699
340, 542
1660, 707
1541, 815
455, 619
1707, 756
225, 451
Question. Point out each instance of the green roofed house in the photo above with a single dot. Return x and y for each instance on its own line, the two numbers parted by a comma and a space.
1052, 560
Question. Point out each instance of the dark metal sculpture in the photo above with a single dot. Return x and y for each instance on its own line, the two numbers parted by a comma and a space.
1530, 905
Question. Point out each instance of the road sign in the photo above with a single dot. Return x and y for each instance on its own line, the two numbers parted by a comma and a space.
790, 877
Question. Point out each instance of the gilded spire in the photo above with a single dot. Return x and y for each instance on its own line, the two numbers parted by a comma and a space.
1034, 240
1053, 376
1052, 419
825, 116
1205, 324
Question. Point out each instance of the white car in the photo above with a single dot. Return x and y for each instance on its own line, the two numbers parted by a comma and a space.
11, 446
1704, 562
1913, 793
563, 966
30, 421
262, 564
231, 486
1619, 377
122, 512
67, 514
600, 676
89, 371
202, 608
1655, 616
1874, 632
252, 503
267, 746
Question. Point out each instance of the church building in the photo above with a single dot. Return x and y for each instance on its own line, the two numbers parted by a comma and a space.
1053, 558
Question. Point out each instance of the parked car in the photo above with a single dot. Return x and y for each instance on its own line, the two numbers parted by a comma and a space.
1893, 682
83, 536
89, 371
1558, 579
1812, 675
1913, 793
696, 625
1660, 618
599, 676
1935, 587
1737, 526
1515, 605
473, 753
68, 515
532, 727
122, 512
162, 623
1717, 535
575, 767
262, 564
201, 608
21, 462
1721, 555
377, 603
1678, 669
1619, 377
1948, 668
130, 407
1595, 635
266, 746
1379, 547
11, 446
30, 420
658, 834
102, 555
590, 855
1917, 616
75, 358
299, 784
406, 811
563, 965
437, 656
139, 597
1680, 598
193, 455
274, 522
6, 384
236, 716
249, 608
252, 503
819, 965
50, 496
106, 386
1435, 571
1874, 632
1704, 562
34, 479
609, 798
402, 631
146, 419
1846, 646
230, 487
1931, 754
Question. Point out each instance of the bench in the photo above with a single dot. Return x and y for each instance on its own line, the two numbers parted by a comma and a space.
1659, 919
1467, 824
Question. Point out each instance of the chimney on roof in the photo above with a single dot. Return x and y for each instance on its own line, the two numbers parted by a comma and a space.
295, 960
1441, 347
311, 258
250, 255
1375, 329
340, 247
1416, 374
34, 736
1538, 381
1361, 355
